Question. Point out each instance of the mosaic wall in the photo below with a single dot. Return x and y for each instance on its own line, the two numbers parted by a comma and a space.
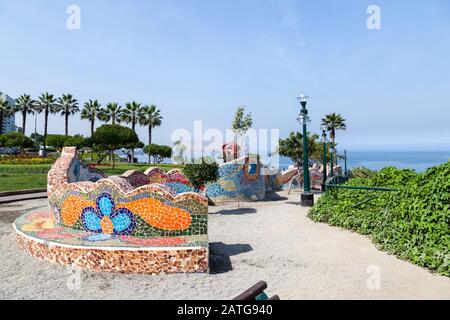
245, 178
134, 223
38, 234
132, 204
173, 179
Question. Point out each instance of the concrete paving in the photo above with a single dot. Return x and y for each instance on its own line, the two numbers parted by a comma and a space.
272, 241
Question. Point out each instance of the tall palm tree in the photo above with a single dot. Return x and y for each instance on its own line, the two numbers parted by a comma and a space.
47, 104
112, 113
5, 111
25, 105
91, 111
69, 106
334, 122
151, 117
131, 115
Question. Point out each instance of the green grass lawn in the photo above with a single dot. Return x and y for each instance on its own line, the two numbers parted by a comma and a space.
21, 177
22, 181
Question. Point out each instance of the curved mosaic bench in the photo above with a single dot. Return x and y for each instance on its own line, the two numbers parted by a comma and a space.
122, 223
246, 178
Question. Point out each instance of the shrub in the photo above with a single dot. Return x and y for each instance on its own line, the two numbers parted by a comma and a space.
201, 173
25, 159
362, 172
412, 223
15, 141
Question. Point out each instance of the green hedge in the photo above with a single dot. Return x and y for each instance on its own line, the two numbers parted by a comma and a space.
412, 223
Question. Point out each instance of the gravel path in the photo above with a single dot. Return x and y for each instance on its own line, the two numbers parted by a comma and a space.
271, 241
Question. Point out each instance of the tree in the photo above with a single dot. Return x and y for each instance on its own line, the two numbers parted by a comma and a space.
77, 141
334, 122
151, 117
199, 174
112, 113
292, 147
16, 141
90, 112
110, 137
24, 105
241, 123
158, 152
68, 106
47, 104
57, 141
5, 111
38, 139
131, 115
179, 148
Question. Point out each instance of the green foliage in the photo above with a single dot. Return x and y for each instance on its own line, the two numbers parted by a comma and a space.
292, 147
158, 152
16, 141
110, 137
56, 140
77, 141
25, 160
241, 122
412, 223
334, 122
201, 173
362, 172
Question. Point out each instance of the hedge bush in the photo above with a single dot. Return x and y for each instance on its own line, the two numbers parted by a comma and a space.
25, 159
412, 223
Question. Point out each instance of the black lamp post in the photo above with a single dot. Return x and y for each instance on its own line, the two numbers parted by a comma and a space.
307, 198
331, 160
324, 139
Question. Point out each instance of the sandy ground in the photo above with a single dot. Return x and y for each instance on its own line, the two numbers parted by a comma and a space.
271, 241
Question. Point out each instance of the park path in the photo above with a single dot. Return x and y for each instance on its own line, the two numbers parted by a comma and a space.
272, 241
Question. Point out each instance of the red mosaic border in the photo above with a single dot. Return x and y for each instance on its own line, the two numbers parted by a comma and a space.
120, 261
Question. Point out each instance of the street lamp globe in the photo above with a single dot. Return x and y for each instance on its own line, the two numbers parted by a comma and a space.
303, 97
303, 119
324, 128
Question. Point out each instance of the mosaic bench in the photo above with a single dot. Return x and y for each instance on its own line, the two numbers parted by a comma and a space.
128, 223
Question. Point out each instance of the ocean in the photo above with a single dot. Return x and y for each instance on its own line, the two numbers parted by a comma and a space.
376, 160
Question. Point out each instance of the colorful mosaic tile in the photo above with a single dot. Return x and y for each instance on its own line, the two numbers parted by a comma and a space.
122, 223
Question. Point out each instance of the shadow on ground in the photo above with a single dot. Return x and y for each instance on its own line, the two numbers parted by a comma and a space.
9, 212
220, 253
239, 211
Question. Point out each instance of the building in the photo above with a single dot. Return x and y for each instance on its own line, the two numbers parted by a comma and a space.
9, 123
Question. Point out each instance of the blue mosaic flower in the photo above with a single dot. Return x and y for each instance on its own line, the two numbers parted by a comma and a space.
106, 219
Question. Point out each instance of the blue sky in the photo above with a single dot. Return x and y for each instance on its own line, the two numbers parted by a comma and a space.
200, 59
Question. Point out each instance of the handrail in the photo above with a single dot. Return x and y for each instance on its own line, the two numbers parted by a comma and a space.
360, 187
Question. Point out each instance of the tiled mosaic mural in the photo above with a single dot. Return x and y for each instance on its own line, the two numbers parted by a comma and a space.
105, 221
133, 204
245, 178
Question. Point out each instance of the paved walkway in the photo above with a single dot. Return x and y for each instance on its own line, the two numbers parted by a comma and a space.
23, 197
271, 241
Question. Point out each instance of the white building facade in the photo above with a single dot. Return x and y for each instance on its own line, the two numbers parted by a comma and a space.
9, 123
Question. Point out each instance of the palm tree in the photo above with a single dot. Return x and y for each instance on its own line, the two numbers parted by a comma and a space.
5, 111
69, 106
334, 122
25, 105
131, 115
91, 111
112, 113
151, 117
47, 104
